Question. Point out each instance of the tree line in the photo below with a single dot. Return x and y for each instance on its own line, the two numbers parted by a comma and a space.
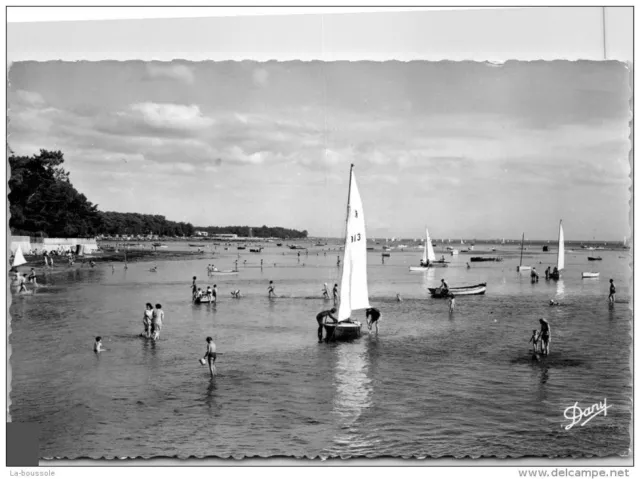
257, 232
43, 202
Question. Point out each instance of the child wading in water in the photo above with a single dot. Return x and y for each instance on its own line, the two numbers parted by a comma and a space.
210, 355
97, 346
452, 303
534, 340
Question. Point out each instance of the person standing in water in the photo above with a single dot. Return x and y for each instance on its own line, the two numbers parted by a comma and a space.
612, 291
320, 318
194, 289
444, 287
335, 294
452, 303
157, 318
147, 320
271, 290
372, 315
534, 340
210, 356
215, 293
32, 277
545, 336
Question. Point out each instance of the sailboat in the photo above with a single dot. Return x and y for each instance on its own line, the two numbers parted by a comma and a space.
521, 267
556, 272
354, 292
18, 258
428, 258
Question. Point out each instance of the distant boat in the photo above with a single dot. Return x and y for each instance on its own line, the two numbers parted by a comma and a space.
594, 258
590, 275
224, 272
484, 258
560, 266
242, 247
454, 252
256, 250
428, 257
354, 292
278, 244
459, 291
522, 267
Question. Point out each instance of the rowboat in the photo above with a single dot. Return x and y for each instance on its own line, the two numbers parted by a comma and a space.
590, 275
203, 300
477, 259
459, 290
224, 272
354, 292
594, 258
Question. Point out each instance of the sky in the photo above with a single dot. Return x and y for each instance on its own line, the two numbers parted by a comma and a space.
467, 149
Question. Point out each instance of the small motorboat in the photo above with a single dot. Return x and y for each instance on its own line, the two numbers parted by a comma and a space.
590, 275
459, 291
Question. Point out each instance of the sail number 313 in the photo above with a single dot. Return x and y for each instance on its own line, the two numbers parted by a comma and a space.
355, 237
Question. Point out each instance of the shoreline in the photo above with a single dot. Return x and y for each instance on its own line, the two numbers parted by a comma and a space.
133, 256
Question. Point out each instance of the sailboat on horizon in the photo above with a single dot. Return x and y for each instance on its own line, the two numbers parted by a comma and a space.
428, 257
354, 292
522, 267
555, 274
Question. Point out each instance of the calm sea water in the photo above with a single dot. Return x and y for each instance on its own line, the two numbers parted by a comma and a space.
429, 384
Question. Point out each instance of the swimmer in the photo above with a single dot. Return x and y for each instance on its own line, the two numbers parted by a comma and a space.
335, 294
534, 339
553, 302
271, 290
236, 294
156, 323
372, 315
321, 318
398, 297
325, 292
452, 303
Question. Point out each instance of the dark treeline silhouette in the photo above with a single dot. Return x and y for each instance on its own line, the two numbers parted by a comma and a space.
138, 224
43, 202
255, 231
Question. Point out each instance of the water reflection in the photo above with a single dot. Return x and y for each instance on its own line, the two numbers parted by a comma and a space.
353, 394
560, 289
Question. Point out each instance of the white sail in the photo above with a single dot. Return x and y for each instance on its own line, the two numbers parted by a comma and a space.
561, 248
18, 258
424, 251
354, 293
431, 256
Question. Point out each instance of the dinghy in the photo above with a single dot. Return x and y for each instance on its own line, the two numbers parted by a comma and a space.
560, 265
224, 272
522, 267
590, 275
204, 299
429, 258
459, 290
354, 292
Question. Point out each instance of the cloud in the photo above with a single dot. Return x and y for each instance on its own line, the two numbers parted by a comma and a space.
171, 71
260, 77
171, 116
29, 98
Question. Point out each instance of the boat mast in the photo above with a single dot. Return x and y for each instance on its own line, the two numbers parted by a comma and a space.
521, 248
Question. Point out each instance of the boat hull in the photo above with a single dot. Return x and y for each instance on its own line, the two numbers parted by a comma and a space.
594, 258
204, 300
590, 275
523, 268
459, 291
425, 268
342, 331
222, 273
478, 259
